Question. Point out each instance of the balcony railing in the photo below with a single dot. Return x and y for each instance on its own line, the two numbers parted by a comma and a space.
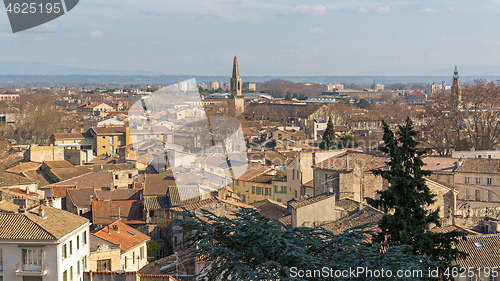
30, 269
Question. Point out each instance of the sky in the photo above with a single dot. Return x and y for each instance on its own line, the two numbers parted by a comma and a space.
282, 37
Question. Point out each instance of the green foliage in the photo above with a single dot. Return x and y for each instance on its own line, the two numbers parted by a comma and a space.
249, 246
363, 103
153, 248
288, 96
328, 141
302, 97
406, 201
347, 141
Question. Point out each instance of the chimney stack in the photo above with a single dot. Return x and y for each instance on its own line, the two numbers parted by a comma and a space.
21, 210
41, 211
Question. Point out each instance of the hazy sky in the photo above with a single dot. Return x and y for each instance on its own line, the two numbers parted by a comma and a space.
282, 37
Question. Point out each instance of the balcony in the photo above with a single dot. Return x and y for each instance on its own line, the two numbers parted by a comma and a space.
30, 270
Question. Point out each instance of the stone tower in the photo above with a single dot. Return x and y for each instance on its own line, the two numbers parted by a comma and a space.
236, 101
456, 90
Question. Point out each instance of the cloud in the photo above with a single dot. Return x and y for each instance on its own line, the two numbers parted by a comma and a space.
96, 33
38, 38
306, 10
317, 30
381, 10
428, 11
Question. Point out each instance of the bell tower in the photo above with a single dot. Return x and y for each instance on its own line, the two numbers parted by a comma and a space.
456, 90
236, 101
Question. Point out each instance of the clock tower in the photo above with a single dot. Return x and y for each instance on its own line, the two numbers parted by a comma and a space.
236, 103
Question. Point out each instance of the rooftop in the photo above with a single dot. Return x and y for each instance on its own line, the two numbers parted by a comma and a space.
346, 162
30, 226
121, 234
312, 200
128, 211
480, 165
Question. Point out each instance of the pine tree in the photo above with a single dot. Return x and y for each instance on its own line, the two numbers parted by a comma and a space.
328, 141
407, 198
249, 246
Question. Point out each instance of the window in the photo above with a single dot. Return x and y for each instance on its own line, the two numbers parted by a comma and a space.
295, 193
111, 149
129, 176
276, 190
467, 180
84, 262
278, 200
78, 242
133, 257
490, 195
70, 248
116, 177
64, 251
32, 259
111, 140
293, 174
489, 181
141, 253
467, 194
104, 265
71, 273
283, 188
78, 268
477, 195
84, 237
268, 191
65, 275
253, 189
478, 180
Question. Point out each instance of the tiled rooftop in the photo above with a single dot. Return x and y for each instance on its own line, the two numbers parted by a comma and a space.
348, 161
120, 233
309, 201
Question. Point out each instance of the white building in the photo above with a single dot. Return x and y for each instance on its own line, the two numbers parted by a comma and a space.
133, 246
43, 243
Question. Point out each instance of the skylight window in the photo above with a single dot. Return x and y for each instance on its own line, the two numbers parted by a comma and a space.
131, 232
478, 245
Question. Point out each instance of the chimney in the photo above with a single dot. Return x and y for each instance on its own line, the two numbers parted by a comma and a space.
157, 268
204, 181
41, 211
360, 206
21, 210
119, 215
116, 228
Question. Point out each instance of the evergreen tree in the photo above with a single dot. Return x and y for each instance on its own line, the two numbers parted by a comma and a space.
249, 246
347, 141
406, 200
328, 141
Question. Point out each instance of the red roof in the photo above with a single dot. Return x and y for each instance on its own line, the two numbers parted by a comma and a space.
418, 93
123, 235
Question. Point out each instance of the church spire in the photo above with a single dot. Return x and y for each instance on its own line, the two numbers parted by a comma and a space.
456, 90
236, 72
236, 80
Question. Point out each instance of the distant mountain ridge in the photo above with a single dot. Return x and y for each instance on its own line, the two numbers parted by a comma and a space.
12, 73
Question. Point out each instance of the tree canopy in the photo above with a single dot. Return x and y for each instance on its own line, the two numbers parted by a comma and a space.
328, 141
406, 201
249, 246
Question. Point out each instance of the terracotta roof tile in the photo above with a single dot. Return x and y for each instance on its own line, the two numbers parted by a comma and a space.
480, 165
157, 184
30, 226
68, 136
200, 204
270, 208
483, 250
352, 159
106, 212
309, 201
366, 215
124, 235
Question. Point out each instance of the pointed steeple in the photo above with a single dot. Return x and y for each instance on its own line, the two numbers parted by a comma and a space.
456, 90
236, 80
236, 72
